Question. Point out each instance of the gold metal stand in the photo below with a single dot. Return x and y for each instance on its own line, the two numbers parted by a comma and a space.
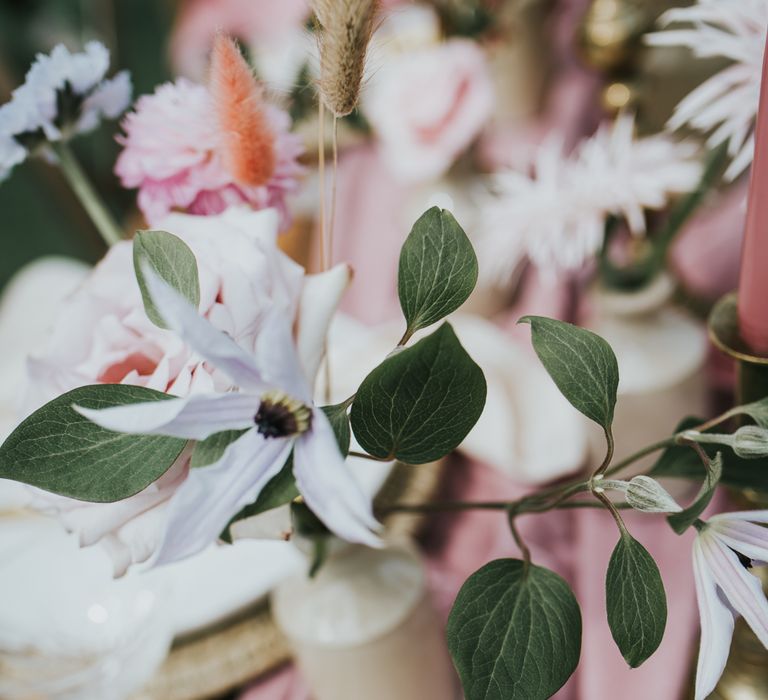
746, 675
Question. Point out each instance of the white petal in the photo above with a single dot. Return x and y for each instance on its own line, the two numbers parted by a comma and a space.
193, 418
745, 537
278, 358
716, 627
743, 590
755, 516
328, 486
208, 342
210, 496
319, 299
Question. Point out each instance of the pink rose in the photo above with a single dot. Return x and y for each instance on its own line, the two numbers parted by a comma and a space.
252, 21
427, 105
103, 335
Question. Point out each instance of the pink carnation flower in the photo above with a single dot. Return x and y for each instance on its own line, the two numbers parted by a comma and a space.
178, 147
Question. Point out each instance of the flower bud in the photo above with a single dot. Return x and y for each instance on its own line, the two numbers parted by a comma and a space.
649, 496
751, 442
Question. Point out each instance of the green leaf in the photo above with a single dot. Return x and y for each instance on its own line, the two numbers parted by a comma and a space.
173, 261
514, 635
339, 419
680, 461
212, 449
582, 365
636, 602
438, 269
757, 411
58, 450
421, 402
680, 522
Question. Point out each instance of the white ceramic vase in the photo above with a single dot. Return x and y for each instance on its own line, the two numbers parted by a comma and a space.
364, 627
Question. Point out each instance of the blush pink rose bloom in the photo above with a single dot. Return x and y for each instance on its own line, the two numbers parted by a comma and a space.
252, 21
103, 335
174, 153
427, 106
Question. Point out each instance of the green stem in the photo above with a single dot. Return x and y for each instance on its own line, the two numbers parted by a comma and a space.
650, 449
609, 504
447, 506
520, 542
86, 193
608, 454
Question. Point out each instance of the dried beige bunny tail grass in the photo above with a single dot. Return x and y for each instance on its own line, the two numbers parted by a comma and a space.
345, 31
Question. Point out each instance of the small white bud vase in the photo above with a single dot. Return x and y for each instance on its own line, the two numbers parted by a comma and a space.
364, 627
661, 351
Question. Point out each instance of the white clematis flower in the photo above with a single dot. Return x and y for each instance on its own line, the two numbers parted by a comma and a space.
725, 547
274, 406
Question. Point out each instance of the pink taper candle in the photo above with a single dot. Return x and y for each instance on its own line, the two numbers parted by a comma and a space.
753, 281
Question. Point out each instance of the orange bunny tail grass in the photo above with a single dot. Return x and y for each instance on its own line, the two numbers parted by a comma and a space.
346, 31
237, 98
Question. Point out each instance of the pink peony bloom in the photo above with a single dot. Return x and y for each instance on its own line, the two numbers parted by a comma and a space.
103, 335
175, 153
427, 105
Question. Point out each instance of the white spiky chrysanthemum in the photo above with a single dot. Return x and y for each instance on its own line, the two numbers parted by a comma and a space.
555, 212
63, 93
726, 103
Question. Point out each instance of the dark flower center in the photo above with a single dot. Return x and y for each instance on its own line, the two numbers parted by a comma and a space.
746, 562
280, 415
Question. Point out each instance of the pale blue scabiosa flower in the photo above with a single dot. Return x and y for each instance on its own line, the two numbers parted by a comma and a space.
725, 105
63, 94
725, 548
275, 408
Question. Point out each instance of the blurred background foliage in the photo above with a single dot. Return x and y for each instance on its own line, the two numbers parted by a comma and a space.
38, 215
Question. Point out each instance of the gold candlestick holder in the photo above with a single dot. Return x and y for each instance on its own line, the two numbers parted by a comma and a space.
611, 41
746, 674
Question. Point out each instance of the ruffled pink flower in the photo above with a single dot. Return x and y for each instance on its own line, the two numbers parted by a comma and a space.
175, 153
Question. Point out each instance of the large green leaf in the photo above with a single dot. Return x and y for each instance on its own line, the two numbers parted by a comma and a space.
173, 261
421, 402
514, 634
438, 269
635, 600
582, 365
681, 521
59, 450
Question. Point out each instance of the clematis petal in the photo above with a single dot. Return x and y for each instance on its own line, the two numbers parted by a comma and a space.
755, 516
716, 626
276, 353
745, 537
329, 488
210, 496
319, 299
211, 344
742, 589
193, 418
